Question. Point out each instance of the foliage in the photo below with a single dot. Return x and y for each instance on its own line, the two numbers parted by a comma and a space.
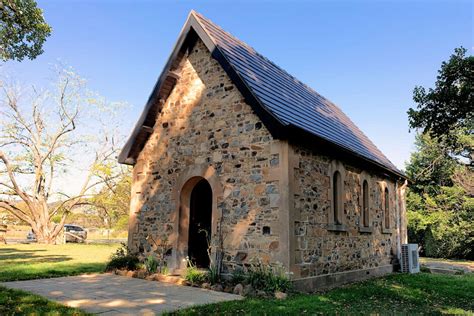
151, 264
443, 224
16, 302
449, 107
404, 294
237, 276
441, 197
23, 29
267, 277
440, 201
159, 251
193, 275
430, 165
213, 275
45, 134
113, 203
36, 261
123, 259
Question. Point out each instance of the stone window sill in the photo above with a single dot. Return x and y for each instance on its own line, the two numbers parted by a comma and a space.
386, 230
363, 229
337, 227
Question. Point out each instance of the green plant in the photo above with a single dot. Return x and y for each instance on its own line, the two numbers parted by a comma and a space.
123, 258
213, 275
238, 276
193, 275
151, 264
160, 250
267, 277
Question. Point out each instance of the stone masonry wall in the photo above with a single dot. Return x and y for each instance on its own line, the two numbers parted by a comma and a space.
205, 120
319, 251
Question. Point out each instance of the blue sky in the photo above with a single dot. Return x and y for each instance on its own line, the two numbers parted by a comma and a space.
365, 56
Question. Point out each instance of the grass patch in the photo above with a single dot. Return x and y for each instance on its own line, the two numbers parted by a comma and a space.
34, 261
396, 294
16, 302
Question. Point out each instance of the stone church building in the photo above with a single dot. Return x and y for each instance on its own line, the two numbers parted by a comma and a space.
235, 155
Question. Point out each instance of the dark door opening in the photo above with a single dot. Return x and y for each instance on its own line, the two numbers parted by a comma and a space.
200, 224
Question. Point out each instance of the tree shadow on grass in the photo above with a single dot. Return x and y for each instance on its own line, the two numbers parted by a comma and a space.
29, 256
19, 272
16, 302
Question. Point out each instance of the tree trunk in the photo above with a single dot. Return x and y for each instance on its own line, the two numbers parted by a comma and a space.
45, 234
46, 231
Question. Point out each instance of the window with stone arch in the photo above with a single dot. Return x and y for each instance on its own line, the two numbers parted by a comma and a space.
336, 192
365, 207
386, 209
336, 197
365, 204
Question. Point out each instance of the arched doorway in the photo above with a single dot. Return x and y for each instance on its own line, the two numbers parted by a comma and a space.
200, 222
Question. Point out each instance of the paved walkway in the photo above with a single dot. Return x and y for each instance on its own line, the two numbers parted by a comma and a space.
110, 294
445, 264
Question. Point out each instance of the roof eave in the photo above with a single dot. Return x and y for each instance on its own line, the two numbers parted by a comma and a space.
298, 134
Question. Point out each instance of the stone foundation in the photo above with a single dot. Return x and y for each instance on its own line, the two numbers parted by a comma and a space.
328, 281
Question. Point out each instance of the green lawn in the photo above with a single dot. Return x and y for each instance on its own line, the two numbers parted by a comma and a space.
399, 293
33, 261
396, 294
15, 302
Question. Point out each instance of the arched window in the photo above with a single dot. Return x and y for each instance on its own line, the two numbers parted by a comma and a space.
336, 197
365, 204
387, 209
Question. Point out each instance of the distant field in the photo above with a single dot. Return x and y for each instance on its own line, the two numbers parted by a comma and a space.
33, 261
18, 233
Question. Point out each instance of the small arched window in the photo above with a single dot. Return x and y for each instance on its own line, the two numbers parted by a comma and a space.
365, 204
336, 197
387, 209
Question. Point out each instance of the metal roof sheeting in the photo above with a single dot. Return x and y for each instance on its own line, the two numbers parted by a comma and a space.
289, 100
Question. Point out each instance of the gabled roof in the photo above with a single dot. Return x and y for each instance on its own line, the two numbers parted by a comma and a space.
282, 102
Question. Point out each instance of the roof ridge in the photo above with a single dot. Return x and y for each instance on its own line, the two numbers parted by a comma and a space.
199, 15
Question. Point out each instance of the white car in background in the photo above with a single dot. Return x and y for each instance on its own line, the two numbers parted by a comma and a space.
72, 231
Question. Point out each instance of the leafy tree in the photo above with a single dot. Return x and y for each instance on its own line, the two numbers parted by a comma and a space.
113, 203
23, 29
431, 165
442, 224
48, 133
440, 201
447, 111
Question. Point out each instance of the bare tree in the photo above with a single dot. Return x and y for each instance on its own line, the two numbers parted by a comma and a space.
44, 133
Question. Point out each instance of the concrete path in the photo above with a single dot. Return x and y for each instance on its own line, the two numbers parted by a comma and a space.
448, 265
110, 294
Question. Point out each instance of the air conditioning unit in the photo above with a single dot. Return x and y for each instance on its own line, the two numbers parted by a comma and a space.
410, 262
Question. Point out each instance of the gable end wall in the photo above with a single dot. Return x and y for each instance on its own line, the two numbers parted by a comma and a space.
206, 123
